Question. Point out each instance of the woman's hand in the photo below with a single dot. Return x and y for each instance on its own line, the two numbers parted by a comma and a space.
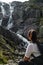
26, 58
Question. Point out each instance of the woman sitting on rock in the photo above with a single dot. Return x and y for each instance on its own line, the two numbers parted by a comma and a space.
32, 51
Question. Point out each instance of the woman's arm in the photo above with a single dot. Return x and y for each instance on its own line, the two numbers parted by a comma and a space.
26, 58
28, 53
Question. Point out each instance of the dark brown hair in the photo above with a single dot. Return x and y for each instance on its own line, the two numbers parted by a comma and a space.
34, 36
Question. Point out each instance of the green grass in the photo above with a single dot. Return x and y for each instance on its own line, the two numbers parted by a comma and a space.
3, 59
2, 40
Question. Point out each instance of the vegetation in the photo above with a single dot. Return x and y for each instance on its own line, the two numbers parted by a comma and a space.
3, 59
5, 50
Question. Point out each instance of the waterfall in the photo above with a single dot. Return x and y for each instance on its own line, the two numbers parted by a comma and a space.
10, 18
1, 16
9, 25
2, 13
0, 22
24, 40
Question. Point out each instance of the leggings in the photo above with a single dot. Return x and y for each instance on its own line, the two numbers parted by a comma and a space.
26, 63
33, 62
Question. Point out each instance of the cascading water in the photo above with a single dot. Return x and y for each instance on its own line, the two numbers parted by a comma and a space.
3, 9
2, 13
23, 39
10, 18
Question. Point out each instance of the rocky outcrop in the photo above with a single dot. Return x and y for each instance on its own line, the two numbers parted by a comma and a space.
19, 16
11, 45
8, 34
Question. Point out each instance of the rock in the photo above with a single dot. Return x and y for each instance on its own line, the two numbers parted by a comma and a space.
22, 16
0, 3
1, 15
36, 1
6, 33
41, 31
19, 16
5, 21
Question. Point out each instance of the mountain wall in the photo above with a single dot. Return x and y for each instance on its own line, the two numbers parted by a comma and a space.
20, 17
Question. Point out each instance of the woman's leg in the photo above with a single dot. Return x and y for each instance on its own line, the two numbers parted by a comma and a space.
24, 63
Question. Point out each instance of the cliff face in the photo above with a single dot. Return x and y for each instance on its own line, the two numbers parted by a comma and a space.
18, 16
38, 4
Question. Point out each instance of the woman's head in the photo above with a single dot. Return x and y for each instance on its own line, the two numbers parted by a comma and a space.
32, 35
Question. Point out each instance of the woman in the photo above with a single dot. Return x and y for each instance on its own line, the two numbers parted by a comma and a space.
32, 51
